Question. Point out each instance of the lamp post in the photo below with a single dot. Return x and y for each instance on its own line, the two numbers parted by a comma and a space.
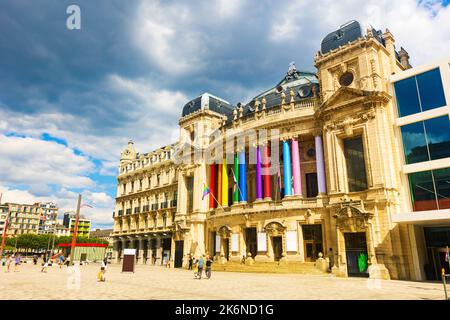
75, 229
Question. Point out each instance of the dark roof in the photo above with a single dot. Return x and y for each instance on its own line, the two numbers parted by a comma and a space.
348, 32
208, 101
101, 233
302, 82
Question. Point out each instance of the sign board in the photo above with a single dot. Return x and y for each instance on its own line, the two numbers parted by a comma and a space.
129, 252
217, 244
234, 242
129, 258
262, 242
291, 241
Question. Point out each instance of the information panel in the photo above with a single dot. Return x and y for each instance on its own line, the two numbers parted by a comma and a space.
235, 242
217, 244
262, 242
291, 241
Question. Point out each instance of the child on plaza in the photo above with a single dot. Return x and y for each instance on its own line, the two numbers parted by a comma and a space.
8, 262
102, 272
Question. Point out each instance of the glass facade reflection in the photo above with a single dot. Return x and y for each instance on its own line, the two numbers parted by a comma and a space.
419, 93
426, 140
430, 190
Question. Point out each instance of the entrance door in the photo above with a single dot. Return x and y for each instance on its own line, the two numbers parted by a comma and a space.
312, 239
277, 244
226, 248
166, 250
251, 242
179, 253
356, 253
311, 185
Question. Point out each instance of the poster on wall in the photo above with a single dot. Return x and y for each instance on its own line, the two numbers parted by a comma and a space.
291, 241
235, 242
262, 242
217, 244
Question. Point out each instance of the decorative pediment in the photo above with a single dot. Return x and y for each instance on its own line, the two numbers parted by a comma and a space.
224, 231
352, 216
275, 229
345, 96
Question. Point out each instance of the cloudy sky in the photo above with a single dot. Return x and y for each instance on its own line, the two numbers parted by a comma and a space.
71, 99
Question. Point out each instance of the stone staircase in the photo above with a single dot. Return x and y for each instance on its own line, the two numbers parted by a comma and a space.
269, 267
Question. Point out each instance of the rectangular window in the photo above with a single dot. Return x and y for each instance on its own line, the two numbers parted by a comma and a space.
426, 140
356, 167
190, 194
431, 92
430, 190
419, 93
407, 97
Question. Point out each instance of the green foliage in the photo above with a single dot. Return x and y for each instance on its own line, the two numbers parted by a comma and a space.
43, 241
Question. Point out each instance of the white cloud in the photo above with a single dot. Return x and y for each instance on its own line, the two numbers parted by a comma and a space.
100, 214
34, 162
421, 29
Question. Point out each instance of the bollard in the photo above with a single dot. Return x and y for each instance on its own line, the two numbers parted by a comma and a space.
443, 281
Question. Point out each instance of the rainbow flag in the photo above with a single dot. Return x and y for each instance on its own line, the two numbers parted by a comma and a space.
205, 192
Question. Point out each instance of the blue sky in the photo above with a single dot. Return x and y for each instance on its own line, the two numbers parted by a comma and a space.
71, 99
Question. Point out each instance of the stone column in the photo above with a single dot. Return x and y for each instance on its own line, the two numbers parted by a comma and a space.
141, 251
242, 177
266, 171
158, 251
116, 253
236, 179
212, 186
287, 176
224, 198
219, 183
320, 165
296, 168
259, 192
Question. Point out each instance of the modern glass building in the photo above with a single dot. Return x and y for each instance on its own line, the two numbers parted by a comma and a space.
422, 96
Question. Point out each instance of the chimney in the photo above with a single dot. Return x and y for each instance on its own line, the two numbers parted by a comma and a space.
404, 58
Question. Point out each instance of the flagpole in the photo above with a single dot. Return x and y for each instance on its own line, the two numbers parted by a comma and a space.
210, 193
75, 230
5, 228
237, 184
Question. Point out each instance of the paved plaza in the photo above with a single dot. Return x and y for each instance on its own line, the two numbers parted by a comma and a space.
150, 282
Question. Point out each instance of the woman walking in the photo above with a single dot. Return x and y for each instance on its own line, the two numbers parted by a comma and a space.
17, 262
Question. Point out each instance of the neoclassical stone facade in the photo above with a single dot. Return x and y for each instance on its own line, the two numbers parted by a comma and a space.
331, 190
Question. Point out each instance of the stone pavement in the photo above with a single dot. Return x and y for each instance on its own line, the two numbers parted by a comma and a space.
150, 282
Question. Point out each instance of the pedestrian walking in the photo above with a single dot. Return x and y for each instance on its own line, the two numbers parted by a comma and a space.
208, 267
191, 260
17, 262
102, 273
68, 261
35, 259
200, 263
8, 262
44, 267
61, 260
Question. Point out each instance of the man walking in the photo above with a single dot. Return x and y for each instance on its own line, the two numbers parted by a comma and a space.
208, 267
200, 263
191, 260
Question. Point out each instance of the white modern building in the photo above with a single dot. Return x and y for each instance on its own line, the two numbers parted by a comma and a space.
422, 128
